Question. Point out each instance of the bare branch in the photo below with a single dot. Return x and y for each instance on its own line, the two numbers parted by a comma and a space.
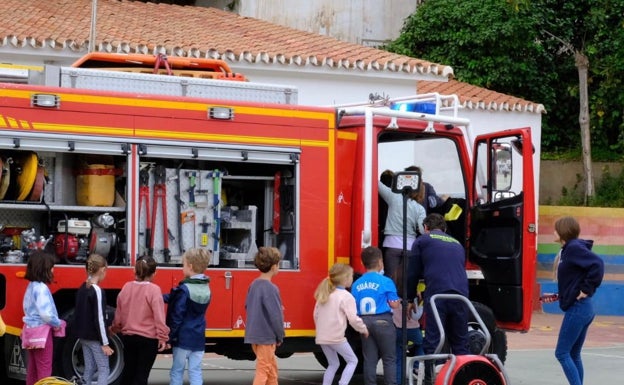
566, 45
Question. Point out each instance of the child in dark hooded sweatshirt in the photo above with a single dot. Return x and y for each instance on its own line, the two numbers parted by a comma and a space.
186, 317
579, 273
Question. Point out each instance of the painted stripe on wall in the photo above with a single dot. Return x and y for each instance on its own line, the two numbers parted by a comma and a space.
605, 226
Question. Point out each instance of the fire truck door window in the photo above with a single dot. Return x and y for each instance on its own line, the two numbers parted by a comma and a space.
437, 157
499, 171
439, 161
501, 163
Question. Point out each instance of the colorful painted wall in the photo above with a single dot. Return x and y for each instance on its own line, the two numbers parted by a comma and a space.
606, 227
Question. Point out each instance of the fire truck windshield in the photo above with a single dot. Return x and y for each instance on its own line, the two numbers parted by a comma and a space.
437, 158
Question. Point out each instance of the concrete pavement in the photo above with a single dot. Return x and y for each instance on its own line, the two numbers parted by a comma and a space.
605, 331
530, 358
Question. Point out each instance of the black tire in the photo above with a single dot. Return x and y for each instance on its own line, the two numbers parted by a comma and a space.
499, 345
6, 346
71, 361
68, 357
476, 337
356, 344
320, 357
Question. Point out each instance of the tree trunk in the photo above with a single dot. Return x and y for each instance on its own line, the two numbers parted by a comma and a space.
582, 64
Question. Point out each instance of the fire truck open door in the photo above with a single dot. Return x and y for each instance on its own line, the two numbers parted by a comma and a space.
503, 224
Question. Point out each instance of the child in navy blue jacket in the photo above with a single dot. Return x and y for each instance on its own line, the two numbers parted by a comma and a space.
186, 317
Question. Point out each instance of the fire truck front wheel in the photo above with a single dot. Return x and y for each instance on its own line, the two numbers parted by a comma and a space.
356, 344
8, 345
71, 361
476, 337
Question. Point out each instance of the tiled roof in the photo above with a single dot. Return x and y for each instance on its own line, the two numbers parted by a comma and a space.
477, 98
136, 27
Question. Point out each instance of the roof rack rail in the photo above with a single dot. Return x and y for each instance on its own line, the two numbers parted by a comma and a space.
431, 107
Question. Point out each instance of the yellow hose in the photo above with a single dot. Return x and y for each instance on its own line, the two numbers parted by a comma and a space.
26, 179
54, 381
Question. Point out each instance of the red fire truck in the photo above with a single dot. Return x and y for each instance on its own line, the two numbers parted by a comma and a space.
131, 155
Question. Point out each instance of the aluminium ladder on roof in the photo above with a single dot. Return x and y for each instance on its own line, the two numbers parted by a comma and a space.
155, 84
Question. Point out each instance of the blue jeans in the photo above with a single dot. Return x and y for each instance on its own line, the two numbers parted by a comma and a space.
381, 343
180, 356
576, 321
416, 338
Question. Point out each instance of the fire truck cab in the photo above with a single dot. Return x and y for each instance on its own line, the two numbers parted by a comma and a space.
106, 158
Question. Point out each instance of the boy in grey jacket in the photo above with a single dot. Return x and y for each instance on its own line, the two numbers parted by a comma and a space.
264, 328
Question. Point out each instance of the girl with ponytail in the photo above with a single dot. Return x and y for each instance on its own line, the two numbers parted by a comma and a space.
335, 306
91, 322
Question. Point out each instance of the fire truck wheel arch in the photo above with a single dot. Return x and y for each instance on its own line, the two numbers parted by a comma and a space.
68, 357
476, 338
70, 362
356, 344
498, 343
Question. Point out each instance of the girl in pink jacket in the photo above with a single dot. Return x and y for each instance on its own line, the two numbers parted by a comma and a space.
335, 306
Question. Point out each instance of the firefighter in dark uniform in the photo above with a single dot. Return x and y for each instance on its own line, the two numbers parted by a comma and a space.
440, 260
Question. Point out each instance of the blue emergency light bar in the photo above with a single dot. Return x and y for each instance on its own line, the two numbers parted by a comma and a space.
424, 107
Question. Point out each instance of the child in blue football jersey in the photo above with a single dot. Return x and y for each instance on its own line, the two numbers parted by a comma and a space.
375, 297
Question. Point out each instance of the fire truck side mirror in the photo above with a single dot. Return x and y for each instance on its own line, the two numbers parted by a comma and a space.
405, 182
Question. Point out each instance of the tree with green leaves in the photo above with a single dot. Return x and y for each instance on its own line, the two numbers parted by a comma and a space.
572, 27
487, 42
563, 54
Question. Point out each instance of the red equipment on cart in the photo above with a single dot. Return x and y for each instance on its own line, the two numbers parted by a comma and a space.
471, 369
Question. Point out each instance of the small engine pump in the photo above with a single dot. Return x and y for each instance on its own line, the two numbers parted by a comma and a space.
72, 240
103, 238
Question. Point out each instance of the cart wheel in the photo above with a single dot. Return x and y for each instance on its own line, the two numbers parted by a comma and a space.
471, 370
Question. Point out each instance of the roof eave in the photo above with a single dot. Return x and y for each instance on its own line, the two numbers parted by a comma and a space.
312, 69
69, 52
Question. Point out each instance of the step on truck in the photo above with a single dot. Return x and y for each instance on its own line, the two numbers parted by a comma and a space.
132, 155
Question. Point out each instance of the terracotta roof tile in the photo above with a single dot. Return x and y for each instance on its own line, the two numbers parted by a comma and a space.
127, 26
478, 98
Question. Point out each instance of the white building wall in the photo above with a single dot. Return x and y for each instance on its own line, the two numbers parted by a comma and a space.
319, 86
368, 22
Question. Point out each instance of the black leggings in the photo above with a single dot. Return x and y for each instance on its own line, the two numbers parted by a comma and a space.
139, 356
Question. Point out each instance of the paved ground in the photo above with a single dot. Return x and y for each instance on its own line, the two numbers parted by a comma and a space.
530, 359
605, 331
